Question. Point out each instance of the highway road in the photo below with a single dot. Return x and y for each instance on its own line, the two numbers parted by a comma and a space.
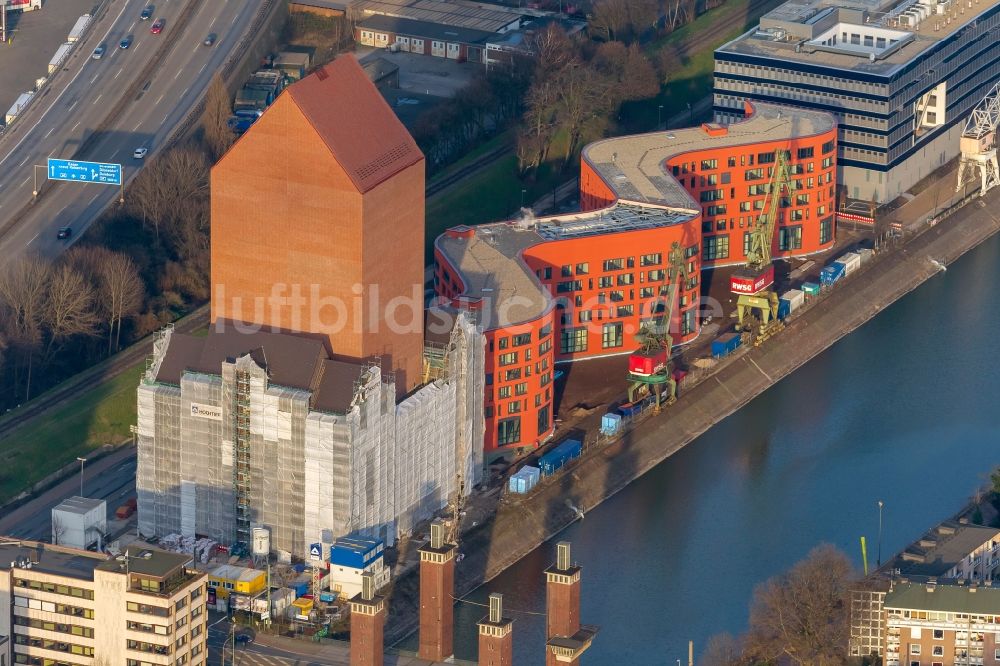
111, 478
79, 100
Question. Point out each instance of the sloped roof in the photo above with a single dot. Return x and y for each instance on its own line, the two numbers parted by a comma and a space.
290, 360
348, 112
336, 387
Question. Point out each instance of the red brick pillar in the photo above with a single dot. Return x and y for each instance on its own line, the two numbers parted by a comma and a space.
567, 639
496, 638
367, 623
437, 587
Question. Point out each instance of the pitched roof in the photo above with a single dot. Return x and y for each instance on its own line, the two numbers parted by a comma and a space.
348, 112
336, 386
290, 360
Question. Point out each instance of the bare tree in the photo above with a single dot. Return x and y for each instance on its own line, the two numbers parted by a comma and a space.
802, 615
610, 19
582, 95
214, 121
23, 296
121, 291
58, 530
69, 309
723, 650
171, 189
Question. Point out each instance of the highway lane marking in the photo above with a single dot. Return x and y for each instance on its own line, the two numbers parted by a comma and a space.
22, 162
137, 126
32, 239
97, 100
120, 72
68, 86
203, 68
95, 77
26, 180
159, 100
178, 74
235, 18
49, 133
72, 105
74, 127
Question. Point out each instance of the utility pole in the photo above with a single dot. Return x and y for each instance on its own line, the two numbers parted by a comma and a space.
878, 559
82, 460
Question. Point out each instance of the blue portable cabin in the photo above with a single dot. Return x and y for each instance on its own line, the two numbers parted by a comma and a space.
524, 480
552, 461
784, 308
355, 551
611, 423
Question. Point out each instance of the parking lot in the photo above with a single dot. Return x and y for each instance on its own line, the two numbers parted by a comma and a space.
36, 37
424, 74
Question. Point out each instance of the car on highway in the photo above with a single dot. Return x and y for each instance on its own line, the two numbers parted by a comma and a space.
157, 26
244, 638
209, 40
126, 42
140, 152
64, 233
99, 52
147, 13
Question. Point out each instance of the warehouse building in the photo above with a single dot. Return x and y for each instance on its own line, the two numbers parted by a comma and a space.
901, 77
576, 286
68, 606
423, 37
313, 407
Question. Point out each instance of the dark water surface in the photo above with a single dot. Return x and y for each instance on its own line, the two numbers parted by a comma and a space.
906, 409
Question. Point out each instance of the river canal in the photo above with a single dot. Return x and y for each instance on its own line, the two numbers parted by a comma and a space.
906, 409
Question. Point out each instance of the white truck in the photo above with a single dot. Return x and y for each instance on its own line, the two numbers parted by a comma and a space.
21, 5
60, 57
22, 101
76, 34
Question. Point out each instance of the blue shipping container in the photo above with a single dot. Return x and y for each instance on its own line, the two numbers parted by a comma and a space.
559, 456
725, 345
784, 308
831, 273
301, 589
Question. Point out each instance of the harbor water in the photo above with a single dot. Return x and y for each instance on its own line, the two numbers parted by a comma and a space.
904, 410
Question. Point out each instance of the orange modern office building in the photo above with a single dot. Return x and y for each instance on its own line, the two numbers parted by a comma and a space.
576, 286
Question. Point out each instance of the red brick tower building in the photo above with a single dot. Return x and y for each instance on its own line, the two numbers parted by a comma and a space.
318, 223
496, 636
437, 585
567, 638
367, 623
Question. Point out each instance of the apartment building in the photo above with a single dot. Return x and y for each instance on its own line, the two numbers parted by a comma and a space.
68, 607
954, 564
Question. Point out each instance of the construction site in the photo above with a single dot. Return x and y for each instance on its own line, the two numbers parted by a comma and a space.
694, 253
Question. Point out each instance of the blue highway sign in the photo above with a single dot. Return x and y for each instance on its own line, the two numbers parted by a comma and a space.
85, 172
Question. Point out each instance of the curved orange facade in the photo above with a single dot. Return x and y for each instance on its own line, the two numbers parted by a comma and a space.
570, 287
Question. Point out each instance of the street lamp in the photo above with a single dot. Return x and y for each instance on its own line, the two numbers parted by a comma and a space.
878, 561
82, 460
659, 116
690, 113
523, 192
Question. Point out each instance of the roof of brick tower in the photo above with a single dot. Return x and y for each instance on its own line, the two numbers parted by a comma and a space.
355, 122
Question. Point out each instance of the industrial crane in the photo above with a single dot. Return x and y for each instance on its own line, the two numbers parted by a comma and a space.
757, 301
649, 368
978, 144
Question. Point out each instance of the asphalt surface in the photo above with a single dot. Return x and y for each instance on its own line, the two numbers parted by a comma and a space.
80, 98
111, 478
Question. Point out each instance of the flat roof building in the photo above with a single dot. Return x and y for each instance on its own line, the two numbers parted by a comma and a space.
567, 287
947, 562
900, 76
71, 606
